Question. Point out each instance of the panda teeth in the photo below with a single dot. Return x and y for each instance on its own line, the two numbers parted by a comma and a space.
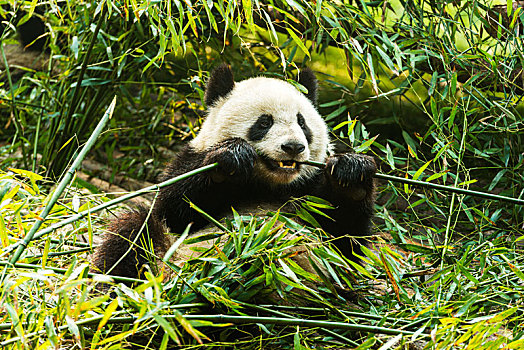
292, 166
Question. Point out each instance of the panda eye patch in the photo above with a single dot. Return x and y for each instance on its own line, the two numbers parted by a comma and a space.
300, 120
258, 130
302, 123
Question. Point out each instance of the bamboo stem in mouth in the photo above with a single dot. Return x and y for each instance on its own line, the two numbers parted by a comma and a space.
433, 186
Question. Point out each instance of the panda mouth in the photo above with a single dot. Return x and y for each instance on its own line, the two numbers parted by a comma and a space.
287, 164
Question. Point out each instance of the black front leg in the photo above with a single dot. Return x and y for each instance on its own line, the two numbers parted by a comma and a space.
212, 191
350, 188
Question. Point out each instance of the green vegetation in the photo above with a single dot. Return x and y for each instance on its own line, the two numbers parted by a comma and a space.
432, 89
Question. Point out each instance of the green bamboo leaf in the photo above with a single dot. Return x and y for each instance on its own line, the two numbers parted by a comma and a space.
496, 179
468, 275
412, 146
421, 170
108, 313
298, 42
437, 176
387, 61
454, 83
297, 7
177, 244
297, 269
166, 326
467, 305
416, 248
296, 340
434, 111
372, 73
335, 113
338, 126
364, 146
433, 83
4, 237
15, 320
248, 12
271, 27
50, 329
504, 315
389, 157
307, 217
46, 252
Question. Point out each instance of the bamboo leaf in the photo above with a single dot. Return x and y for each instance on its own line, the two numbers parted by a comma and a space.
298, 42
110, 309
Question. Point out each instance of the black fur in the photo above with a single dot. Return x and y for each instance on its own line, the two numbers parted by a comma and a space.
307, 79
211, 191
219, 85
122, 235
261, 127
349, 185
307, 131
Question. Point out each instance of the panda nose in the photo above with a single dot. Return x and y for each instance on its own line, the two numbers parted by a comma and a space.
293, 148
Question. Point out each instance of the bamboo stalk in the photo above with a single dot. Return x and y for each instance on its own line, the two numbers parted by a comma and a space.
279, 321
64, 182
72, 244
66, 252
298, 322
271, 311
60, 270
325, 310
451, 189
236, 320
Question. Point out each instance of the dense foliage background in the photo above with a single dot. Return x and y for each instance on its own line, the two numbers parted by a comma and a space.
432, 89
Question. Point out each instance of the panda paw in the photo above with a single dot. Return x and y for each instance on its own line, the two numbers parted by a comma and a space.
352, 173
235, 157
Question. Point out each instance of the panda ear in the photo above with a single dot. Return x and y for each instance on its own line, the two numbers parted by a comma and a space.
220, 84
307, 79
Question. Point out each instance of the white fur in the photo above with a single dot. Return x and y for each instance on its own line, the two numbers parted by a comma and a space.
233, 115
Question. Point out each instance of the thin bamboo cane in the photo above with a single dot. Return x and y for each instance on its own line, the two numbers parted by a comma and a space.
64, 182
60, 270
239, 320
452, 189
279, 321
110, 203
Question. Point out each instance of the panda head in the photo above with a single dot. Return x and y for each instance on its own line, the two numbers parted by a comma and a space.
280, 122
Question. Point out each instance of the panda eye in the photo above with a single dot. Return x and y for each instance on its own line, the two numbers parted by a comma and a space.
260, 128
265, 121
301, 121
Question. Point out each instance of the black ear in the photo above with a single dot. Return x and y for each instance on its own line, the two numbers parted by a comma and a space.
307, 79
220, 84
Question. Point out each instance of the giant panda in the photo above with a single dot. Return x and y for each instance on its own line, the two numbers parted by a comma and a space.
259, 131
